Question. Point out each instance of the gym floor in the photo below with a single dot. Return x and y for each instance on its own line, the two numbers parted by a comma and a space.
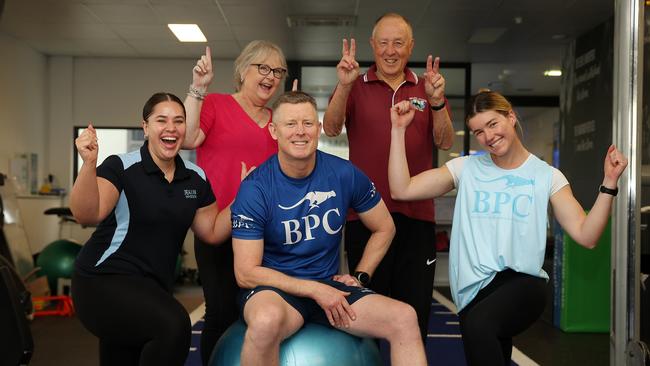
64, 341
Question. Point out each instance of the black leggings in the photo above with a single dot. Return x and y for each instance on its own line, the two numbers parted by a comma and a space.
504, 308
136, 320
406, 272
220, 291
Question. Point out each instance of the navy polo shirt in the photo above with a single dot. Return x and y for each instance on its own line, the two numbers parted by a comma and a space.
144, 233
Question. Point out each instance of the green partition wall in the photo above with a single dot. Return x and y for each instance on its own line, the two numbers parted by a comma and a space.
584, 304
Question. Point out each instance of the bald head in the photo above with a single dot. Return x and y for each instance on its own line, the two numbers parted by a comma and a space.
393, 17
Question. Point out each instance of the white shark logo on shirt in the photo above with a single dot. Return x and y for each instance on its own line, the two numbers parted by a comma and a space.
315, 198
240, 221
244, 217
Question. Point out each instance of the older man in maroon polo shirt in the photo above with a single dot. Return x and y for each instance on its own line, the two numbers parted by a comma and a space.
362, 103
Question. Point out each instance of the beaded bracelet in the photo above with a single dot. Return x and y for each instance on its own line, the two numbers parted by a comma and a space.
196, 93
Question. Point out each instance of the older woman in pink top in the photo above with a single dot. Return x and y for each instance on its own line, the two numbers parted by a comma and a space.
231, 137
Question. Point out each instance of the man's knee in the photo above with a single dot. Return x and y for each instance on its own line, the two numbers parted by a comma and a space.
399, 318
405, 315
265, 325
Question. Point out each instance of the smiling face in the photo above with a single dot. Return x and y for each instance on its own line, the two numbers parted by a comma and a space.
494, 131
165, 130
392, 44
256, 86
296, 128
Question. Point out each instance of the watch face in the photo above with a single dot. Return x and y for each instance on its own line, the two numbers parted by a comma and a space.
363, 278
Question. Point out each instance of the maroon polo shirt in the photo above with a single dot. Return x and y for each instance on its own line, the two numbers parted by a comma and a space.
367, 120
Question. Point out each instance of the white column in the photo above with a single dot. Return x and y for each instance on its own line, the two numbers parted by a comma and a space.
626, 236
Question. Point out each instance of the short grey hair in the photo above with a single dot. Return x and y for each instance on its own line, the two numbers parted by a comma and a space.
394, 16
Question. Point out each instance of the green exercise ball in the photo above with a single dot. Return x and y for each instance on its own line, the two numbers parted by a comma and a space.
57, 261
312, 345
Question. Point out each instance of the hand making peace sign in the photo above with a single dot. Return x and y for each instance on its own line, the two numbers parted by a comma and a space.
434, 82
348, 68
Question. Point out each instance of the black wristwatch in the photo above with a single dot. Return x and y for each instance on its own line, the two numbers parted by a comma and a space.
438, 107
363, 278
604, 189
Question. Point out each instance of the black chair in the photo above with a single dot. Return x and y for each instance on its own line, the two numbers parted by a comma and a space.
16, 344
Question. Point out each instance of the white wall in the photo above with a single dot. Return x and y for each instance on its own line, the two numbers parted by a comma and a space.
23, 96
111, 92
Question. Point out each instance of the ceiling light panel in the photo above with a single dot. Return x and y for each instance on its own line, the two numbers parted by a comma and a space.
187, 32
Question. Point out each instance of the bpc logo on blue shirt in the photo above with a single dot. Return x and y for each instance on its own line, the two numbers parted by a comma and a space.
294, 230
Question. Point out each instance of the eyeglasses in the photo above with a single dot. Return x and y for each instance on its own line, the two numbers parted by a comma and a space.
265, 69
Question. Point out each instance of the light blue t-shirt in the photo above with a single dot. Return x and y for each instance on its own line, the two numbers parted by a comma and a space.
500, 221
301, 220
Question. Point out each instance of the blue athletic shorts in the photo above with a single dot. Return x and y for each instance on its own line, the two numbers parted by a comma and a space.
307, 307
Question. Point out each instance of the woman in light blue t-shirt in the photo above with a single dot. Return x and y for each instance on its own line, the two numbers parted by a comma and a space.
498, 236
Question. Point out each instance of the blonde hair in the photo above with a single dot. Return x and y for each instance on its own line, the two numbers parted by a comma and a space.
487, 100
255, 50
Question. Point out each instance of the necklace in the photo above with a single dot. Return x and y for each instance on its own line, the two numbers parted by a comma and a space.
257, 114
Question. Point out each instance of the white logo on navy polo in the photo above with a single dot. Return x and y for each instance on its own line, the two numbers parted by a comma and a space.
315, 198
242, 221
190, 193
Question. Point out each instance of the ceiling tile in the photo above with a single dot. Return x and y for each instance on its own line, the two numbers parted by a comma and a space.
48, 12
338, 7
187, 3
162, 49
201, 14
255, 15
107, 48
124, 14
152, 32
28, 30
266, 31
58, 47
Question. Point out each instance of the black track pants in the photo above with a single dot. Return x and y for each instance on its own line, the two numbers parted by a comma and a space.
407, 270
136, 320
220, 290
504, 308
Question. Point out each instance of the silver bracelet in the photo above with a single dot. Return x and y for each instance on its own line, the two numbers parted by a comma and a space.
196, 93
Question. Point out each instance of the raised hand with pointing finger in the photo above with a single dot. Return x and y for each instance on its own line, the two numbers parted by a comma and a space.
202, 73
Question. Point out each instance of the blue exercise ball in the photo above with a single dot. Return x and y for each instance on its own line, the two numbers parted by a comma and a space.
312, 345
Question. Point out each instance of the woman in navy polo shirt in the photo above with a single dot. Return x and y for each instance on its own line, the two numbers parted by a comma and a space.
143, 203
